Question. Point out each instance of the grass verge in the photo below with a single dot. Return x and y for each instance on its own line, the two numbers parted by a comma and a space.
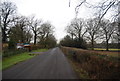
12, 60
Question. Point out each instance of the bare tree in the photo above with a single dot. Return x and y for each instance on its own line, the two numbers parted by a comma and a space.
78, 6
35, 26
93, 30
116, 35
70, 31
28, 35
118, 28
76, 28
102, 7
7, 10
108, 29
105, 6
46, 31
20, 31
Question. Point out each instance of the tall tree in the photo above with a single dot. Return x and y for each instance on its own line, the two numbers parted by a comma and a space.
93, 30
20, 31
35, 26
7, 10
46, 31
76, 31
108, 29
76, 28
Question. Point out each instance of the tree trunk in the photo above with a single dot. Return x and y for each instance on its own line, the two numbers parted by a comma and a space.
4, 37
22, 37
72, 36
79, 36
119, 33
35, 37
92, 43
107, 47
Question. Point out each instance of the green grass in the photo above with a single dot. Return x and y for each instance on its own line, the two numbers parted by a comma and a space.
40, 50
9, 61
105, 49
12, 60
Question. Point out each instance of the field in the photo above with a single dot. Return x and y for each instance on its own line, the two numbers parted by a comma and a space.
111, 52
90, 64
102, 51
12, 60
107, 53
111, 49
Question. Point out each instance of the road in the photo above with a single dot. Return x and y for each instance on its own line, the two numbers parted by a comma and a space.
49, 65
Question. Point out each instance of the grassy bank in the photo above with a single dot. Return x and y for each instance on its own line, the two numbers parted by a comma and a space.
93, 64
12, 60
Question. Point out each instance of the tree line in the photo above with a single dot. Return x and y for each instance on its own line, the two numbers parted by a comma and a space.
17, 28
84, 32
80, 32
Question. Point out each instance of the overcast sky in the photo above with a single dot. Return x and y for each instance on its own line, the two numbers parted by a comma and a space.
57, 12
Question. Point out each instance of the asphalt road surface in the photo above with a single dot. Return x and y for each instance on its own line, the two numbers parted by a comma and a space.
48, 65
